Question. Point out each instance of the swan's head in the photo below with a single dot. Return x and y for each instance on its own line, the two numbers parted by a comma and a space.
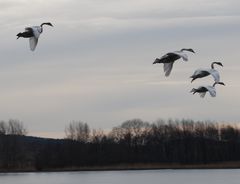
218, 63
47, 23
190, 50
221, 83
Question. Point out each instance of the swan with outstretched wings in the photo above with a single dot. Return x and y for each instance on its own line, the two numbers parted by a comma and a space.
200, 73
33, 33
169, 59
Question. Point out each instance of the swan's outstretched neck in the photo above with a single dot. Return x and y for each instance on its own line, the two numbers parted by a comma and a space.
46, 23
221, 83
190, 50
218, 63
212, 65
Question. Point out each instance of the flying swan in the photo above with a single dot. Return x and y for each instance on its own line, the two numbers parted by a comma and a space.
200, 73
202, 90
33, 34
169, 58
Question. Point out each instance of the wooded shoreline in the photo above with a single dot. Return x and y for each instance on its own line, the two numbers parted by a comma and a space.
134, 145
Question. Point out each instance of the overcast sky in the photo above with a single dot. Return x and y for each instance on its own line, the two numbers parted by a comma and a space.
95, 64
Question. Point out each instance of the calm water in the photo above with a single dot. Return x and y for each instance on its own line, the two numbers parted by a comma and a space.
122, 177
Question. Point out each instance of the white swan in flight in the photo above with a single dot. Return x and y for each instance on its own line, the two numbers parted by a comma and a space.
202, 90
33, 34
169, 58
200, 73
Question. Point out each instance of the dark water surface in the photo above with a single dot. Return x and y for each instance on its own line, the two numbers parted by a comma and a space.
218, 176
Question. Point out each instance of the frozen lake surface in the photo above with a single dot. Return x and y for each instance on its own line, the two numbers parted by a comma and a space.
218, 176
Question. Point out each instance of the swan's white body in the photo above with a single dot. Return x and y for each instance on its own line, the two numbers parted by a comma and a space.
37, 30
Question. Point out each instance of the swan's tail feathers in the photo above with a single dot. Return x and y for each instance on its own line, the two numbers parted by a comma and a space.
156, 61
19, 35
193, 91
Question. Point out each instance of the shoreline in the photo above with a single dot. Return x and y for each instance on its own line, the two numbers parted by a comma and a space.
131, 167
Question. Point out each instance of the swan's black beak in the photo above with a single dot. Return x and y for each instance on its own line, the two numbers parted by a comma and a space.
219, 63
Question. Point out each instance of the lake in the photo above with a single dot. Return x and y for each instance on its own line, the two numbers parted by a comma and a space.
215, 176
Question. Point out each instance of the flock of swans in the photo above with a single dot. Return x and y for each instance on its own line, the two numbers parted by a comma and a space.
33, 33
169, 59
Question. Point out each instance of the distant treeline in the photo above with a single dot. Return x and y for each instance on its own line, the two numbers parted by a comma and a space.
133, 142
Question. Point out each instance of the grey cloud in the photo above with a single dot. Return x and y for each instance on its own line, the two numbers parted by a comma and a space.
96, 63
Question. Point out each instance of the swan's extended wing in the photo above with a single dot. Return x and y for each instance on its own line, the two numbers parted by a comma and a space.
164, 56
167, 67
196, 72
215, 75
202, 95
37, 30
33, 43
28, 29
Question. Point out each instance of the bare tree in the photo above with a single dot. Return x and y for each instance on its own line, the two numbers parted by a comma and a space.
3, 128
117, 134
229, 132
70, 131
97, 135
135, 126
15, 127
78, 130
132, 131
212, 130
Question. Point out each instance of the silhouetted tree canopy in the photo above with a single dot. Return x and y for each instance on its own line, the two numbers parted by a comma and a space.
133, 141
12, 127
78, 130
